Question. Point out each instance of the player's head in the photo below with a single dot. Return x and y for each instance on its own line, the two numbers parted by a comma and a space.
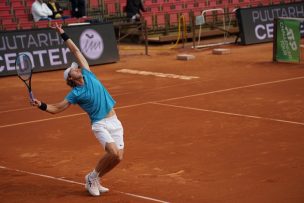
71, 74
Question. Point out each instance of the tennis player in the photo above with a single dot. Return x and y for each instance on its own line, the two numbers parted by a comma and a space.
89, 93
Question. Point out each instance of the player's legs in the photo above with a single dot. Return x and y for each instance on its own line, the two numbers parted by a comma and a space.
109, 133
111, 137
110, 159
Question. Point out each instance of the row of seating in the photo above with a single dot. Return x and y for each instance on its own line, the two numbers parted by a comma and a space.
15, 14
116, 7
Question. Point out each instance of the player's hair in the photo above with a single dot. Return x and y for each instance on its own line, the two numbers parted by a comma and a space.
71, 83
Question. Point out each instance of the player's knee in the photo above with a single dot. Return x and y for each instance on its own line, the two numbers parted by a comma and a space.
114, 152
116, 155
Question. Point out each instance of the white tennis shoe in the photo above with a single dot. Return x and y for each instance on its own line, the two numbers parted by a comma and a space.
92, 185
102, 189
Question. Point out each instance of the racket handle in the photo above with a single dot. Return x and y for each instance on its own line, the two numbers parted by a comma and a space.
31, 96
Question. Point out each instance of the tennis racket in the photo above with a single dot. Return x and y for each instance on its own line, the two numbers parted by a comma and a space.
24, 70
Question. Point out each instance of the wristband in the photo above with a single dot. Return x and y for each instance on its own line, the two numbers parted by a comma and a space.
43, 106
64, 36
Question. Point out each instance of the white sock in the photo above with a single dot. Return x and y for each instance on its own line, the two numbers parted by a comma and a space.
94, 174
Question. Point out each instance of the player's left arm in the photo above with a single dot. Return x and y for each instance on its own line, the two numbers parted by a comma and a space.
52, 108
83, 63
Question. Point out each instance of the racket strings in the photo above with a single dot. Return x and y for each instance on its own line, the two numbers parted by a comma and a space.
24, 67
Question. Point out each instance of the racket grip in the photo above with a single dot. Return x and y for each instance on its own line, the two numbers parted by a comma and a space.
31, 96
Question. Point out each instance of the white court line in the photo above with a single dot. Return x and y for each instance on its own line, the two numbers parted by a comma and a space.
12, 110
233, 88
114, 95
163, 100
204, 93
157, 74
230, 114
59, 117
78, 183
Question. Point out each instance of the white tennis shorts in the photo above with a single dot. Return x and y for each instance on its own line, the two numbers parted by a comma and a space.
109, 130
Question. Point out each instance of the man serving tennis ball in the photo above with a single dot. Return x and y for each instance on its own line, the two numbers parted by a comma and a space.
88, 92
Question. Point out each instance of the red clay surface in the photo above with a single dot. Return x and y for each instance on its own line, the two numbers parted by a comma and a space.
235, 134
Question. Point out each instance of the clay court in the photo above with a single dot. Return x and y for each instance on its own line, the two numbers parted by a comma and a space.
231, 133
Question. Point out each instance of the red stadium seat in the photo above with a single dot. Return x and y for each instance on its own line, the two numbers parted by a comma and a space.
160, 19
149, 19
28, 3
153, 8
20, 11
26, 25
17, 3
5, 9
3, 4
66, 13
10, 26
7, 21
173, 18
23, 15
5, 12
93, 3
110, 8
42, 24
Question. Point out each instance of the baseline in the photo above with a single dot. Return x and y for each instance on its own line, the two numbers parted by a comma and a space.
78, 183
194, 95
230, 114
170, 99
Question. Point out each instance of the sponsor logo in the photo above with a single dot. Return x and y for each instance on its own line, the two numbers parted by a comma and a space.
91, 44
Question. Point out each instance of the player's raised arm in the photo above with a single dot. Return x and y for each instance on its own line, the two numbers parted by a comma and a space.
73, 48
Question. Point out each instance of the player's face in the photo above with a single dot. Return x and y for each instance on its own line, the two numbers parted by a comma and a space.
75, 73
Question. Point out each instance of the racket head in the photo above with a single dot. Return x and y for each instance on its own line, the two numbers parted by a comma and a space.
24, 67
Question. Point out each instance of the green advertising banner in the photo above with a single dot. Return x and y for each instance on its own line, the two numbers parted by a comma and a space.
288, 40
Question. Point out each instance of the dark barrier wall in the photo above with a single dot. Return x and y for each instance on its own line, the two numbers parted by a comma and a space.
256, 24
48, 52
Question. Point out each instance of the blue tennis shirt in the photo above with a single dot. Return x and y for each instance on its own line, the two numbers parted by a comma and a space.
92, 97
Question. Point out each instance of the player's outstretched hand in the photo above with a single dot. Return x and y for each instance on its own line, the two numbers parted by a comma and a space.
57, 27
36, 102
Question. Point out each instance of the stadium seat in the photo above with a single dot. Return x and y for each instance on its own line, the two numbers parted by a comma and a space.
26, 25
153, 8
110, 8
20, 11
66, 13
149, 19
3, 4
93, 4
17, 3
6, 15
42, 24
173, 18
160, 19
5, 9
190, 5
28, 3
10, 26
167, 7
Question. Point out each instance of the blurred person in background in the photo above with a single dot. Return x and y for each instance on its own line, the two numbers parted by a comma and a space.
41, 11
56, 9
78, 8
134, 9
